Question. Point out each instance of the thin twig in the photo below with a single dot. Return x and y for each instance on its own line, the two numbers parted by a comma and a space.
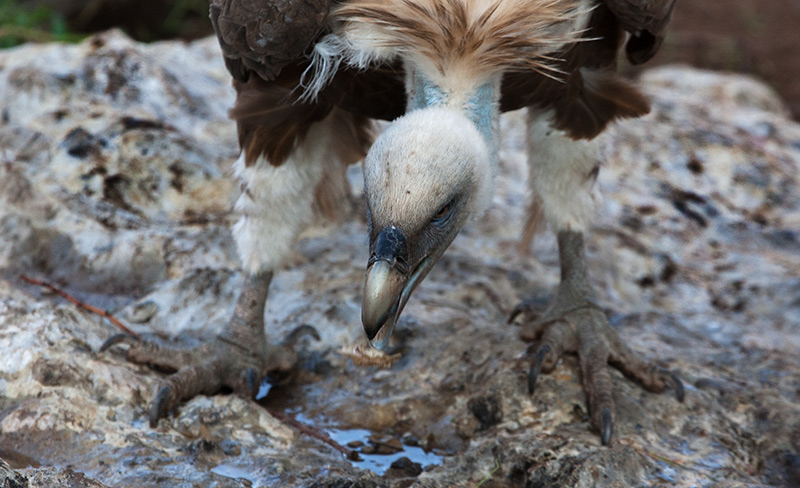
103, 313
315, 433
489, 476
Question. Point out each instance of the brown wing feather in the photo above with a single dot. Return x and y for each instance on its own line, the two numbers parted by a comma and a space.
264, 36
270, 38
591, 95
272, 121
646, 20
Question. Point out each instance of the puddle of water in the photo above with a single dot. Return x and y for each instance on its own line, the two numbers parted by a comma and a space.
263, 388
236, 473
379, 463
360, 441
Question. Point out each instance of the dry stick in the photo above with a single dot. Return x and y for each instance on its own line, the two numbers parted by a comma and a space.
85, 306
315, 433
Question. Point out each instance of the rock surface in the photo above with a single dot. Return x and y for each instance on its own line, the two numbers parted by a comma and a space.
113, 185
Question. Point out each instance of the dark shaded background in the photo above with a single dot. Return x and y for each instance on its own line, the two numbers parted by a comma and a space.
760, 37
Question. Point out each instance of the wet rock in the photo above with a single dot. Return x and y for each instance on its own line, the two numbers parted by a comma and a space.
114, 186
611, 467
10, 478
488, 410
404, 468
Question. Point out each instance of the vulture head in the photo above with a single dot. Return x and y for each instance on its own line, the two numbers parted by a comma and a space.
432, 169
427, 175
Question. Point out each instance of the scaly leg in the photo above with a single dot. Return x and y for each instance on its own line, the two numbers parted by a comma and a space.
563, 173
573, 323
275, 204
239, 358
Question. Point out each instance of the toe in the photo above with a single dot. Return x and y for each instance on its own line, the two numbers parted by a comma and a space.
606, 426
279, 358
163, 357
674, 383
117, 339
518, 310
650, 376
598, 386
529, 309
187, 383
299, 333
247, 383
163, 403
536, 367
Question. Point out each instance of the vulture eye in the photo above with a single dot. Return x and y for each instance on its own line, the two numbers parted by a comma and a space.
443, 212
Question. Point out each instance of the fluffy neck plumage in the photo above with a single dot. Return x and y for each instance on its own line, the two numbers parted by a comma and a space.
478, 102
479, 106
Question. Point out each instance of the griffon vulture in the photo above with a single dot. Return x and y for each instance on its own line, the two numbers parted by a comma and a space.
311, 75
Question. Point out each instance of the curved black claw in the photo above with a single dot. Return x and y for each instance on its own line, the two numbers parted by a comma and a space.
160, 405
536, 368
677, 385
117, 339
606, 427
299, 332
515, 313
251, 382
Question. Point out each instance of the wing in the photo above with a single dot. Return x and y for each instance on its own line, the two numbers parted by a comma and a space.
646, 20
264, 36
591, 94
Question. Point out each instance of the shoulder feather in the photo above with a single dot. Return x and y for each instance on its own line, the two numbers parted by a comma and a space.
264, 36
646, 20
468, 38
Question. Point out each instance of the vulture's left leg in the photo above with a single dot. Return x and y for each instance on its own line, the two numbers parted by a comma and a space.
563, 174
275, 204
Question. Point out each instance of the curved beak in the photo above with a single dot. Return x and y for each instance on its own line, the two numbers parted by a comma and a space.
388, 285
382, 291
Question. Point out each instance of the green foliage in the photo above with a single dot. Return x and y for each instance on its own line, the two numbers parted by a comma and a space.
19, 24
180, 11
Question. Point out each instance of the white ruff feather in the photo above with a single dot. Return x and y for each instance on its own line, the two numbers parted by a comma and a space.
325, 62
466, 39
277, 202
561, 173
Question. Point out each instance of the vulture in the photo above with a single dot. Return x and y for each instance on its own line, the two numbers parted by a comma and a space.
312, 76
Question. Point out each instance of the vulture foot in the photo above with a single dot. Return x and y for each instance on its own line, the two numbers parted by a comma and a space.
575, 324
206, 369
239, 358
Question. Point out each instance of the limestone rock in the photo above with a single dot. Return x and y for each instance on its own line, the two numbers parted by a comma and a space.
114, 186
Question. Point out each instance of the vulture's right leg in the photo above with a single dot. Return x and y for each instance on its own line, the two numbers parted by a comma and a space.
563, 174
274, 206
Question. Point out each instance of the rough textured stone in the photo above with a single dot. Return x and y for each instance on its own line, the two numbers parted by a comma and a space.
113, 186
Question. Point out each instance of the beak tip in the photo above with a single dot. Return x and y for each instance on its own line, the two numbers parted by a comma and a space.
382, 292
377, 329
379, 336
369, 329
380, 344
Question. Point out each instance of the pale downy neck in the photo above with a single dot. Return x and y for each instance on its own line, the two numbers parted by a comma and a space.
479, 105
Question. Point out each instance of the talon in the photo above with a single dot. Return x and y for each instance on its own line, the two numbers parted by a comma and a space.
607, 425
160, 405
677, 384
250, 381
514, 313
533, 374
116, 339
299, 332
